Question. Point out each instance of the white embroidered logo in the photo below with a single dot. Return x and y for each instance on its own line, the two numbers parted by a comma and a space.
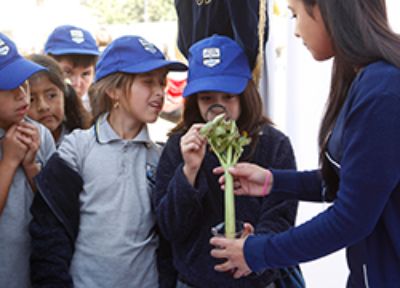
148, 46
211, 57
77, 36
4, 49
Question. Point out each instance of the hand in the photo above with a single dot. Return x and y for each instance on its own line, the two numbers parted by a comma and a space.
14, 149
249, 179
29, 135
248, 229
232, 251
193, 149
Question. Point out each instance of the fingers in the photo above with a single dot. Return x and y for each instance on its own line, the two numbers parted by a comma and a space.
248, 229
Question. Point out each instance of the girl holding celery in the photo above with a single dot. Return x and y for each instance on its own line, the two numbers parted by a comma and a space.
188, 200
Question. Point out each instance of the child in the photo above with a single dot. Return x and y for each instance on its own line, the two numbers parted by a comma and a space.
76, 51
24, 146
93, 225
359, 151
188, 199
54, 103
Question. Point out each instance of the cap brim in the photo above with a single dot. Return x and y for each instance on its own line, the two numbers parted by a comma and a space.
225, 84
73, 51
16, 72
155, 64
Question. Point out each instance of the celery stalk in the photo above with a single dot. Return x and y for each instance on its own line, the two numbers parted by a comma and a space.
227, 143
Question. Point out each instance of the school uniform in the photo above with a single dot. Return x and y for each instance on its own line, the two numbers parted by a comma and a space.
104, 236
363, 150
186, 214
14, 237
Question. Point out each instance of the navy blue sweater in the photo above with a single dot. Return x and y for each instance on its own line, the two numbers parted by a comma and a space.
364, 150
186, 214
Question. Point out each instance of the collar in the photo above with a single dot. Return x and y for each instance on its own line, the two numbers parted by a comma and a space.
105, 134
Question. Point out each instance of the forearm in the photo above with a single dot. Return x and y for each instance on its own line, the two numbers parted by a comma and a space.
31, 171
7, 173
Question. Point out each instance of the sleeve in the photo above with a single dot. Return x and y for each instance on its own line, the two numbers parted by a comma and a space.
178, 204
54, 225
368, 176
47, 145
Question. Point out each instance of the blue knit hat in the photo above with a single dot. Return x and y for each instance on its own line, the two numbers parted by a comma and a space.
69, 39
217, 63
133, 54
14, 69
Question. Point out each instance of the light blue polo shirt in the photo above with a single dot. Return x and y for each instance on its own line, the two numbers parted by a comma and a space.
116, 243
14, 221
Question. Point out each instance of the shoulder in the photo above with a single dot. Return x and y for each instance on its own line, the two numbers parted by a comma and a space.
76, 145
270, 135
377, 78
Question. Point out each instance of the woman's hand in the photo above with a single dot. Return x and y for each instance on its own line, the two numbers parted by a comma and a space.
193, 149
232, 251
249, 179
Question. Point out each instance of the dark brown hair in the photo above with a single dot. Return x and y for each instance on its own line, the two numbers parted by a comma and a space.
98, 93
77, 60
361, 35
251, 118
75, 114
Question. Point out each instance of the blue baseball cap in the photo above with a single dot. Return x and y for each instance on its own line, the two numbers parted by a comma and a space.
217, 63
133, 54
69, 39
14, 69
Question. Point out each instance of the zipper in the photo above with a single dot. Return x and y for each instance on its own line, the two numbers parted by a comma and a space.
365, 274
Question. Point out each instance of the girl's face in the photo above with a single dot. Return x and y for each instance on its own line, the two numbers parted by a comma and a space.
80, 77
14, 105
145, 100
47, 102
213, 103
312, 30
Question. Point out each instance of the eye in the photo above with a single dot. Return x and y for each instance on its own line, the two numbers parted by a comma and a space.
229, 97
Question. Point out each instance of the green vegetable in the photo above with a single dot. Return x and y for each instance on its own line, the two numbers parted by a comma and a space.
227, 143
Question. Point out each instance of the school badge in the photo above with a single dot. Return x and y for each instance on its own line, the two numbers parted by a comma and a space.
77, 36
148, 46
4, 49
211, 57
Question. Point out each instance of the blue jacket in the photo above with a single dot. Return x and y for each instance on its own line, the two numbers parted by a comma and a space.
185, 214
364, 150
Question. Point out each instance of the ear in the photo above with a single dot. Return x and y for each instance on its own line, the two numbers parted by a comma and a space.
114, 94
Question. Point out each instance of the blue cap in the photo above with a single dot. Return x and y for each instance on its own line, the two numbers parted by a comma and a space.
133, 54
69, 39
14, 69
217, 63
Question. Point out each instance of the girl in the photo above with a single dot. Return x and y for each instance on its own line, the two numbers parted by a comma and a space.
359, 153
54, 103
24, 146
188, 200
93, 225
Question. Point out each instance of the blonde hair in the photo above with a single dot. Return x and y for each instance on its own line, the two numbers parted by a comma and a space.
99, 92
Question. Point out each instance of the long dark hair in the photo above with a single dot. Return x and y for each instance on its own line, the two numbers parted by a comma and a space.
361, 35
251, 118
75, 114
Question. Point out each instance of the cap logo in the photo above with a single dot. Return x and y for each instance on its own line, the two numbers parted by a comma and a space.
148, 46
211, 57
4, 49
77, 36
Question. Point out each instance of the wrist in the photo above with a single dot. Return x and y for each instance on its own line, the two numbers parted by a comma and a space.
190, 173
267, 184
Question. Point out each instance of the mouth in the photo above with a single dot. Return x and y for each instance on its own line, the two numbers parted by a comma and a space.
215, 110
23, 109
156, 105
46, 118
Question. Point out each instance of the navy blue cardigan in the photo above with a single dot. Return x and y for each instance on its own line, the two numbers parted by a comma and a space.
364, 150
185, 214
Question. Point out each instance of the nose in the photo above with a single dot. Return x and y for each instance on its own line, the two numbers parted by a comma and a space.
42, 105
